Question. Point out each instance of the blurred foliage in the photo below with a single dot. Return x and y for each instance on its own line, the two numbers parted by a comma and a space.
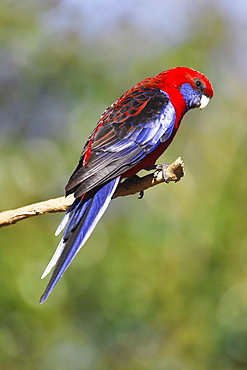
162, 282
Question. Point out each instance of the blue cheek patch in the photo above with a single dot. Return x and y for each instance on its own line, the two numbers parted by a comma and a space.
192, 97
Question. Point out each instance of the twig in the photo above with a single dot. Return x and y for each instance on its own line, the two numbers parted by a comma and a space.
174, 172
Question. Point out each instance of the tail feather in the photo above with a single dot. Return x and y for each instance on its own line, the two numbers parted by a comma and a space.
82, 218
71, 218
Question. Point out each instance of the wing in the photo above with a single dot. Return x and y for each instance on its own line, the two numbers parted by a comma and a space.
128, 130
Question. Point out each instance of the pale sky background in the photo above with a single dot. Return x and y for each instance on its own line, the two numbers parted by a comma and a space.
171, 20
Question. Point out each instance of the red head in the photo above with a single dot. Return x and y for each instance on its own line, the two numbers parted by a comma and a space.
181, 75
185, 86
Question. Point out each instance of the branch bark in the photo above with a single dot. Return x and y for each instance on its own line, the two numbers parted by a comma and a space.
174, 172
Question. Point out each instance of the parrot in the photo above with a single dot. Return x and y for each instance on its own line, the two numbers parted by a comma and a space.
131, 135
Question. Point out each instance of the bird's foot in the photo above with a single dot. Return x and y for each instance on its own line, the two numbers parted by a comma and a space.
161, 167
141, 194
133, 179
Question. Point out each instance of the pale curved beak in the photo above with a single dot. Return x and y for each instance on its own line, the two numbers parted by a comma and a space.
204, 101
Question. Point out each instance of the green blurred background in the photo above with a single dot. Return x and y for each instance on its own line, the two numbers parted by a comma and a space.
162, 282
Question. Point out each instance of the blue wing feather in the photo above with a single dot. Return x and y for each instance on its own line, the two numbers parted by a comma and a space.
112, 156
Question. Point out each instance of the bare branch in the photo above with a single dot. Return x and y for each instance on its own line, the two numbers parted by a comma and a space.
174, 172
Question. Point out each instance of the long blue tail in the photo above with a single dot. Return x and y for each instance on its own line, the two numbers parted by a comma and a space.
81, 220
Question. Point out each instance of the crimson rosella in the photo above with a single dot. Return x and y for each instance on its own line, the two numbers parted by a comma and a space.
130, 135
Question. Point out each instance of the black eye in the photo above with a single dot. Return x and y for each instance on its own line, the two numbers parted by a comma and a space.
199, 84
